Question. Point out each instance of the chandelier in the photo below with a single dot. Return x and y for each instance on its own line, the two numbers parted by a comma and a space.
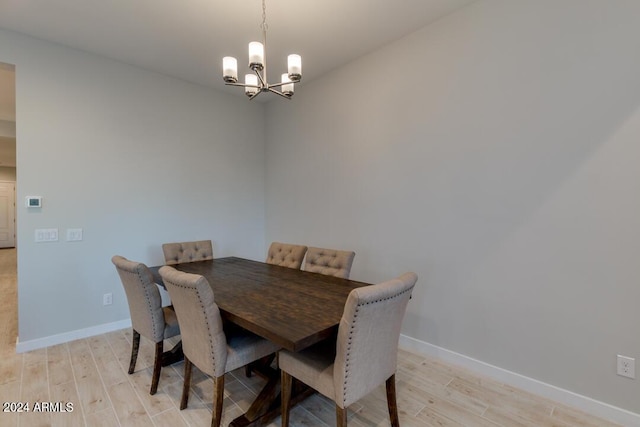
256, 83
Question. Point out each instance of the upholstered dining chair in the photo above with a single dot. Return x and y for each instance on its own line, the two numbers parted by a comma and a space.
286, 255
365, 352
177, 253
329, 261
204, 341
148, 317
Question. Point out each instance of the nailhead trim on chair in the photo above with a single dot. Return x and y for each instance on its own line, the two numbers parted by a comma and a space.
353, 325
202, 307
211, 347
148, 301
148, 298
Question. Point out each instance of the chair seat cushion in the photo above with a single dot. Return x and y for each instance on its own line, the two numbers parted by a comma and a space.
171, 327
313, 366
244, 347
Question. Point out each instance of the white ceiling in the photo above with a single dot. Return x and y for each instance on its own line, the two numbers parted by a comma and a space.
188, 38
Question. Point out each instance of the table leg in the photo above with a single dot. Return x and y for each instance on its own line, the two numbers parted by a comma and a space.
266, 406
172, 356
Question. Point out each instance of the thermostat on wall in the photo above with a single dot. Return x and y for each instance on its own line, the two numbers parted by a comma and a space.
33, 201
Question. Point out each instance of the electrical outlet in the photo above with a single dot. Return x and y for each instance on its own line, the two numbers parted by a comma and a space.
107, 299
626, 366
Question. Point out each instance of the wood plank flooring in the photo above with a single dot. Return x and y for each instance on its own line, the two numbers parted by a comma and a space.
91, 374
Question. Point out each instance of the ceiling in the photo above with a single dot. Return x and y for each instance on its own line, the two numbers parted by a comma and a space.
187, 39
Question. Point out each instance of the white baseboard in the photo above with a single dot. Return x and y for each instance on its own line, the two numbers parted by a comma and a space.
569, 398
25, 346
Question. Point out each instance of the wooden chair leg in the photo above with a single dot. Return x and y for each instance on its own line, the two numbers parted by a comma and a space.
218, 397
341, 416
391, 401
135, 346
285, 397
157, 367
186, 384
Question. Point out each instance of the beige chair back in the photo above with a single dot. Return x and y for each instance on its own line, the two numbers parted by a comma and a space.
367, 344
286, 255
143, 296
203, 339
329, 261
177, 253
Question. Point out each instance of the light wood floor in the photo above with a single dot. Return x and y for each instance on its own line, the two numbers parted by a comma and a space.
91, 374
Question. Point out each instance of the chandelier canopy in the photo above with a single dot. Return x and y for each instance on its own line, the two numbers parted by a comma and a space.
256, 83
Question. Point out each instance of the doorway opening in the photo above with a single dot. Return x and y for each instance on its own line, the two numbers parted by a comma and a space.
7, 155
8, 177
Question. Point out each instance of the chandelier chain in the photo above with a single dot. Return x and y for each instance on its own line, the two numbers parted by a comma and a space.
264, 15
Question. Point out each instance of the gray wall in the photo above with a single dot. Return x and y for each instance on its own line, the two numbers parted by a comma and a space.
135, 159
495, 153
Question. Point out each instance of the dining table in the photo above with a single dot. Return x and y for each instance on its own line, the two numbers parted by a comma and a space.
292, 308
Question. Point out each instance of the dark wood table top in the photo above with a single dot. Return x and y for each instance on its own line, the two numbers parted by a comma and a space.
289, 307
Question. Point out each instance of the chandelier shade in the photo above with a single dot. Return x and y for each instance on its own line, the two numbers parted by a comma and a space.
256, 83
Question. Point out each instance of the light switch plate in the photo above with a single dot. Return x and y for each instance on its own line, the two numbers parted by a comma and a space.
46, 235
74, 234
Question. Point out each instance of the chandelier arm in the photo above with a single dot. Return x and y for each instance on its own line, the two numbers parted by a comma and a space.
279, 84
241, 85
278, 93
254, 95
263, 80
